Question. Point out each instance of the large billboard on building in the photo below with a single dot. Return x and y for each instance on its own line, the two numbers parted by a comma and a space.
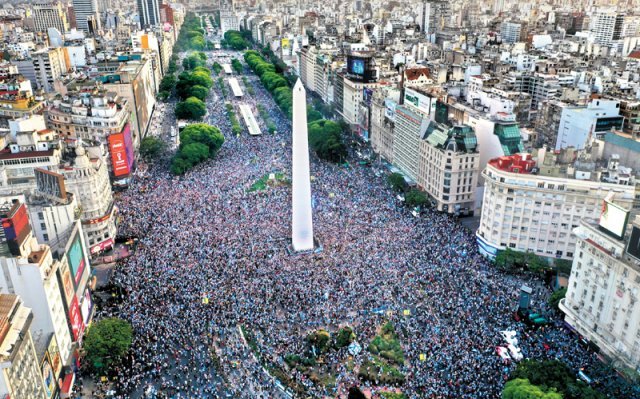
16, 227
53, 351
613, 219
49, 378
86, 307
50, 183
390, 109
361, 69
119, 162
425, 104
128, 146
75, 318
75, 256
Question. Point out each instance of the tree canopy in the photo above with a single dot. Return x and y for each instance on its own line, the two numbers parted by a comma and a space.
396, 180
557, 375
416, 197
198, 142
151, 147
325, 137
511, 261
523, 389
191, 109
106, 343
234, 40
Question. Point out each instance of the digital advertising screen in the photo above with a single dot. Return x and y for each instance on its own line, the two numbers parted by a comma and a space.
128, 146
357, 66
75, 255
118, 155
613, 219
77, 326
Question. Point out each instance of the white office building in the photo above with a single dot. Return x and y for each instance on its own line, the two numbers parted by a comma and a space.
602, 296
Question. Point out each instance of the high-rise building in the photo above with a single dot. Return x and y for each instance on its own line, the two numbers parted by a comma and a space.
449, 166
20, 375
537, 213
50, 14
510, 32
86, 11
601, 302
433, 15
606, 27
149, 12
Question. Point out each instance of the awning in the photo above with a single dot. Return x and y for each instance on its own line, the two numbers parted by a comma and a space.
67, 385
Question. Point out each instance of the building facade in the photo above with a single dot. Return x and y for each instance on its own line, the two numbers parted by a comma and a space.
50, 14
149, 13
601, 302
449, 166
531, 213
20, 375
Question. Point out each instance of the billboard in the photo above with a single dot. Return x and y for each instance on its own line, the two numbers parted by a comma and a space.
284, 43
118, 152
48, 377
128, 146
75, 318
54, 356
86, 307
390, 109
16, 227
425, 104
613, 219
633, 248
361, 69
75, 256
50, 183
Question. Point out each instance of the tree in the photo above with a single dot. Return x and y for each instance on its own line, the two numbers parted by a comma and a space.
237, 66
312, 114
344, 337
556, 297
192, 61
557, 375
326, 140
199, 92
396, 180
151, 147
191, 109
203, 134
523, 389
319, 340
415, 197
216, 67
201, 78
168, 83
194, 153
106, 342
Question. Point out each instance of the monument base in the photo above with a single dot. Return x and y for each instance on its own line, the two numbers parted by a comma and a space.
317, 248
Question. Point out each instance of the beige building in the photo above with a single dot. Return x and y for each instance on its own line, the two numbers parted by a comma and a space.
383, 106
448, 167
531, 212
135, 82
20, 375
602, 296
50, 14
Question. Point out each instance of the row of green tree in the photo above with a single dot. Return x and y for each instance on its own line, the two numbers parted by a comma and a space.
235, 125
192, 88
191, 35
271, 80
198, 142
235, 40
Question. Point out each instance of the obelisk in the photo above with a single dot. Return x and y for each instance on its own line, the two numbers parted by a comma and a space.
301, 222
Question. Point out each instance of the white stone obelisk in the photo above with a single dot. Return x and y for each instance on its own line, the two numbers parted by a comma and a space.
301, 222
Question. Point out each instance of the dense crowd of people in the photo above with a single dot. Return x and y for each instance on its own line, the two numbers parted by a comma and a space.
213, 255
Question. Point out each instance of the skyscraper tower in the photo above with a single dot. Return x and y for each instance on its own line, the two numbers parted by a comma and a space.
301, 223
85, 10
149, 12
50, 14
